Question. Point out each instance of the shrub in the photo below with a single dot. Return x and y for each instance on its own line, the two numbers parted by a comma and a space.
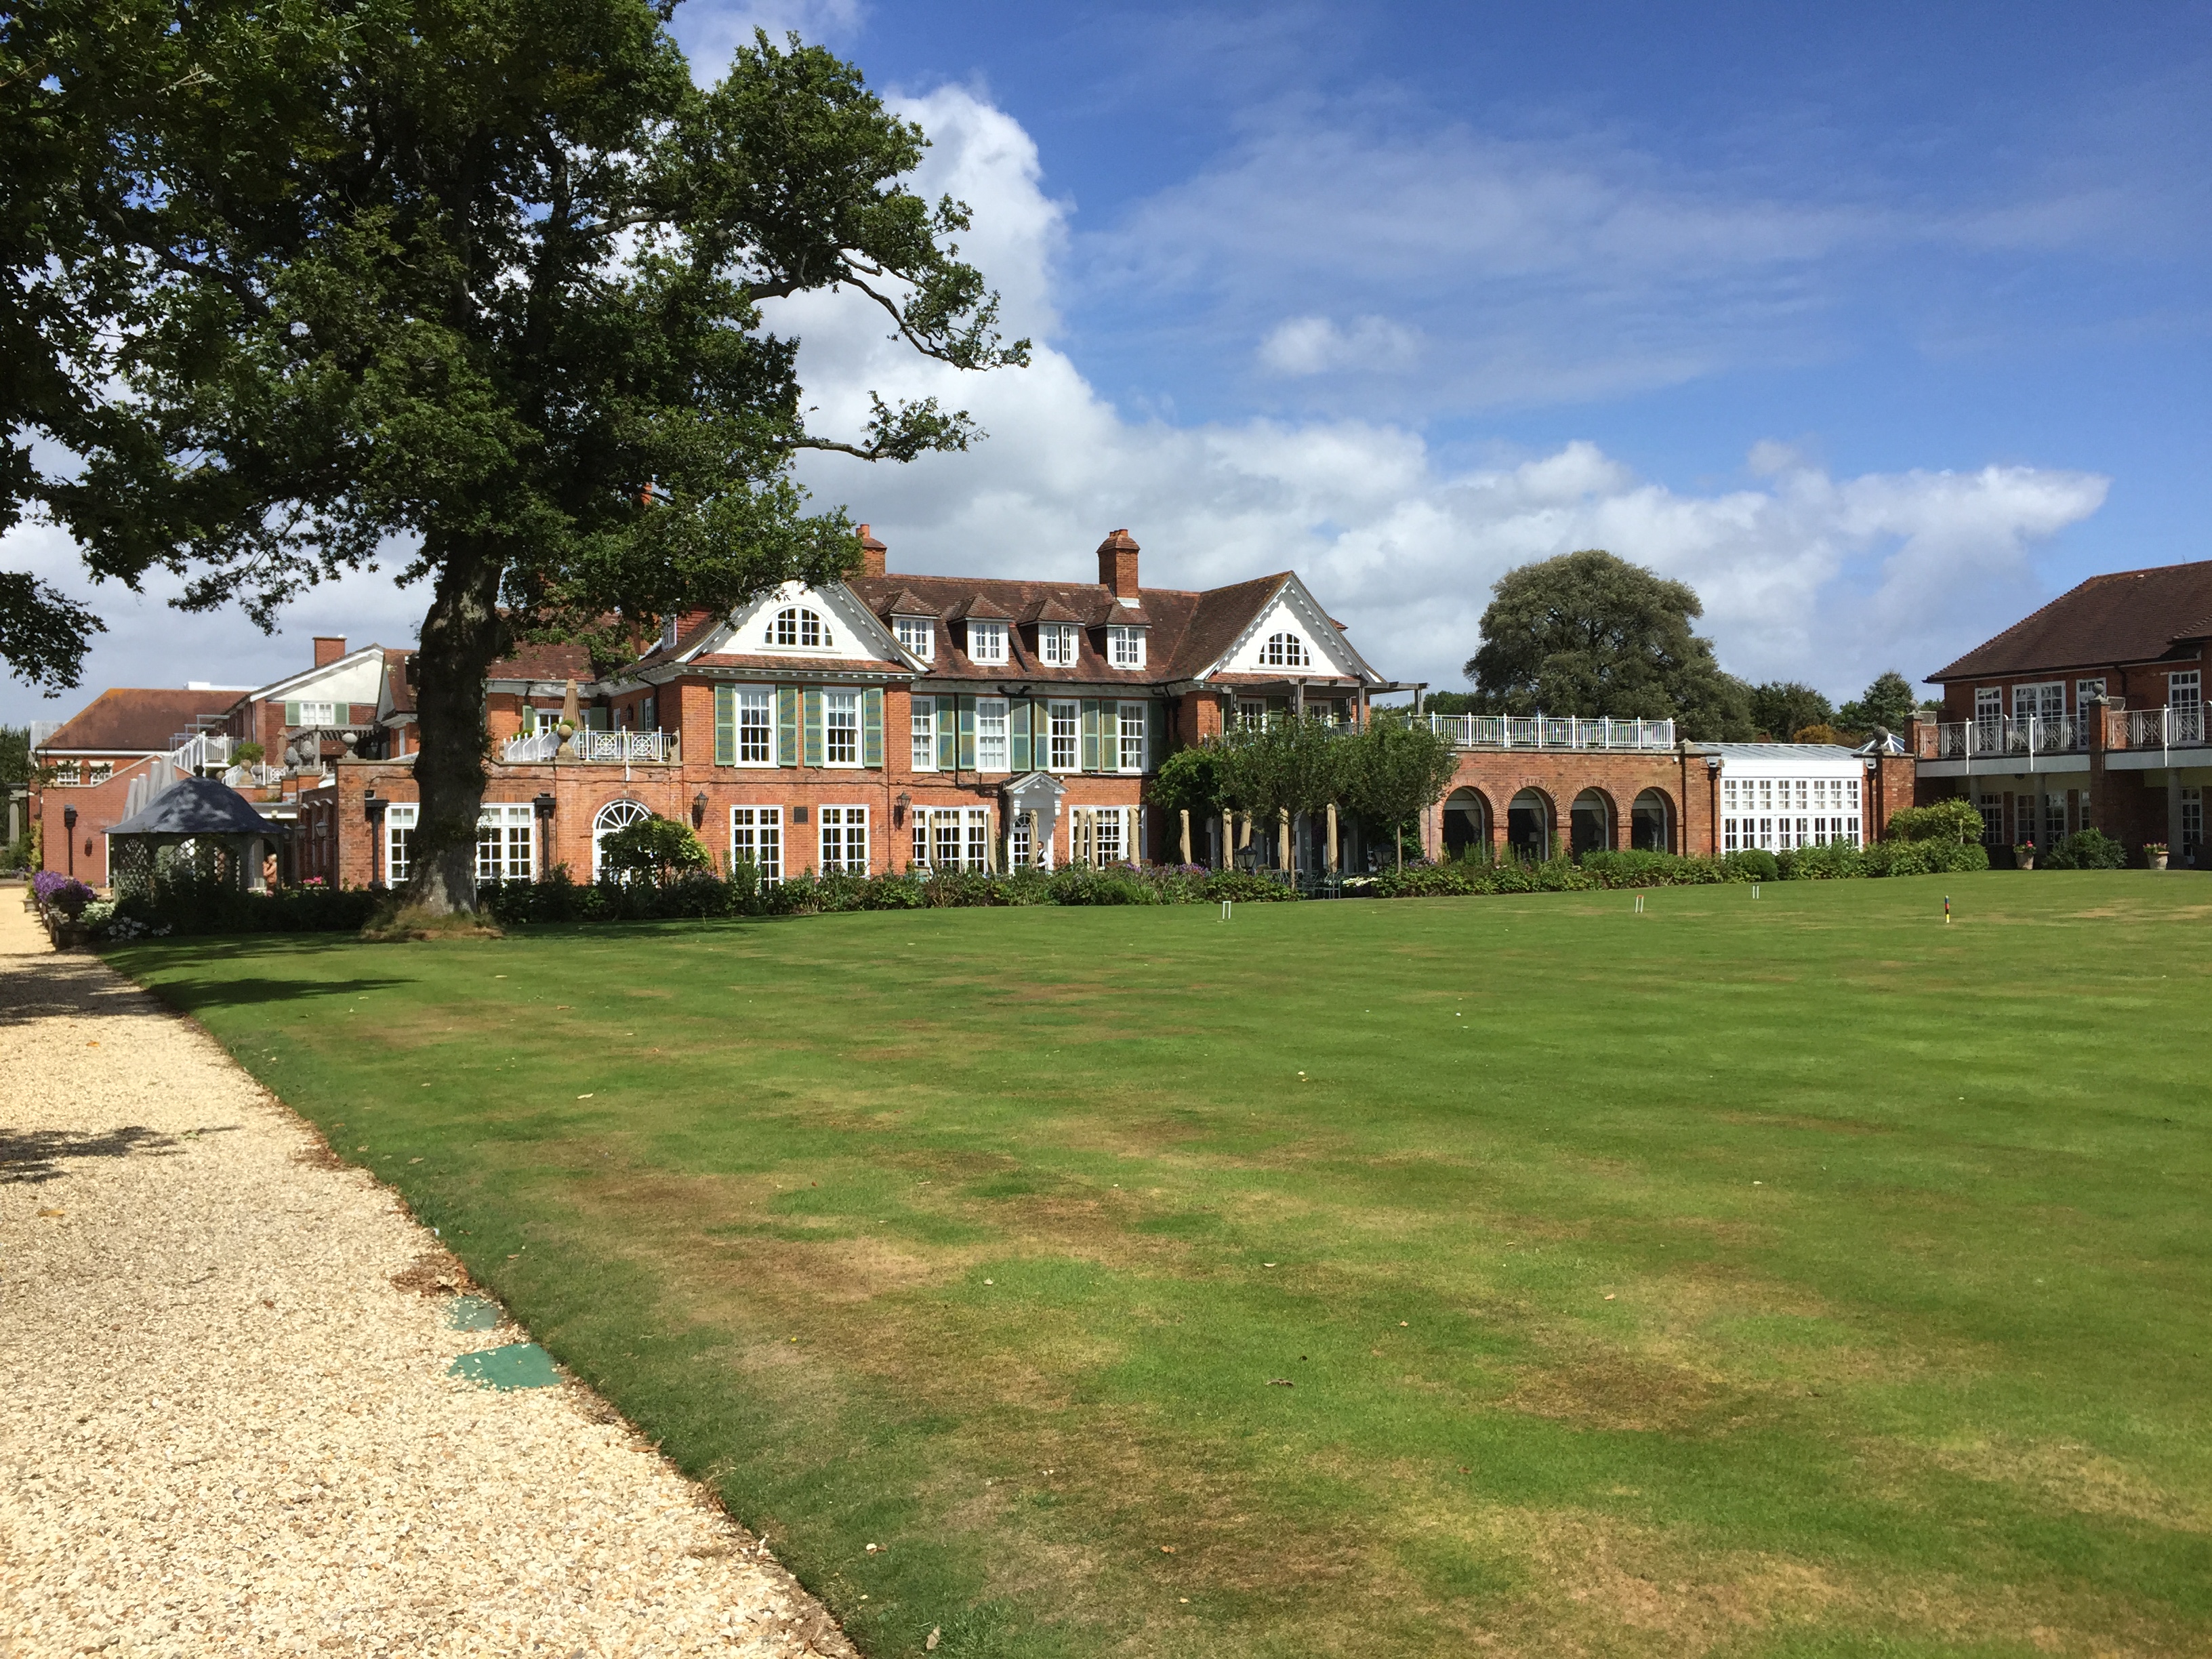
1751, 864
1829, 861
55, 892
1636, 868
1953, 820
2086, 849
657, 848
1243, 887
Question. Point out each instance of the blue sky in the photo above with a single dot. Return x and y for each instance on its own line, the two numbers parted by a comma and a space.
1879, 325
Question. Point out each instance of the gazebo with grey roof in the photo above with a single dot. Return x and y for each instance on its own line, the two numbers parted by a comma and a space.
202, 820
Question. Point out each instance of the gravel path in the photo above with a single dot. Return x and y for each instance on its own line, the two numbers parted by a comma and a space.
224, 1430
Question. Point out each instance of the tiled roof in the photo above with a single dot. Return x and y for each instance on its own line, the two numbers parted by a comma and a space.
134, 720
567, 661
815, 665
2129, 615
399, 689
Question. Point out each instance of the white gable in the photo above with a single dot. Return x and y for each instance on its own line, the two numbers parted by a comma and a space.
358, 676
847, 629
1293, 612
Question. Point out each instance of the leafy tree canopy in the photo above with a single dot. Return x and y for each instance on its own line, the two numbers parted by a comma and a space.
1591, 634
1190, 780
1888, 702
1782, 708
478, 288
656, 849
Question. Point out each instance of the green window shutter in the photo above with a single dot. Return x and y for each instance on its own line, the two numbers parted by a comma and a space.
291, 713
813, 726
1091, 734
967, 733
1109, 737
726, 725
787, 725
871, 726
1017, 725
1157, 750
948, 734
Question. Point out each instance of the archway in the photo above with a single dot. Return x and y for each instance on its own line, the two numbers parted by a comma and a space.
615, 814
1529, 827
1651, 823
1591, 823
1467, 822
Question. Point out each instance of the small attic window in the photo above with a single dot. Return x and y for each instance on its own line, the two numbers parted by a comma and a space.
1284, 651
918, 635
796, 625
668, 633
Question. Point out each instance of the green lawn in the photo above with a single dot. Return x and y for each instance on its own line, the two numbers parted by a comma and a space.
1790, 1275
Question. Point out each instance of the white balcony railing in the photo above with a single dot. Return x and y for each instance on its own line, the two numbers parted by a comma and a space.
534, 749
197, 750
2164, 728
624, 746
258, 775
1551, 732
2010, 736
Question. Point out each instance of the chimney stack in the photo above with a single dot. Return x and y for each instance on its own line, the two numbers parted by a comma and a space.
872, 554
1117, 566
329, 647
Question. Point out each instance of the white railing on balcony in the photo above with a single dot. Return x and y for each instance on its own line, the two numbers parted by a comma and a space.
259, 776
2013, 737
1551, 732
2164, 728
536, 749
623, 746
197, 749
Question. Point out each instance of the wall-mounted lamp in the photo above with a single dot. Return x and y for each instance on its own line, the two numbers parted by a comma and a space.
698, 809
1712, 762
542, 803
899, 802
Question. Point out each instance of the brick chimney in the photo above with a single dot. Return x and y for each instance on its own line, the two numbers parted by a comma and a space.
1117, 566
872, 554
329, 647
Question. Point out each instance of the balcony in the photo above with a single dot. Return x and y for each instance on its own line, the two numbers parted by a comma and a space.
2005, 736
1551, 732
618, 748
2159, 729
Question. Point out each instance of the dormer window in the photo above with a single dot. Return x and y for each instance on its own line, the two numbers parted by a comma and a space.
1285, 651
668, 633
918, 635
1056, 644
796, 625
987, 641
1125, 647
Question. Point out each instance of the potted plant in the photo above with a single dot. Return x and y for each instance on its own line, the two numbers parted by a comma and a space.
2023, 856
2155, 855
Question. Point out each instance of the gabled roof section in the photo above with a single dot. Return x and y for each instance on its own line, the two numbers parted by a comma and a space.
1052, 609
1290, 599
735, 639
904, 604
133, 721
397, 700
983, 608
307, 681
2127, 616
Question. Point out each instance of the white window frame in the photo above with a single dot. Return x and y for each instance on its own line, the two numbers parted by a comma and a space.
2186, 689
993, 736
2192, 815
2043, 698
507, 842
987, 641
1251, 713
800, 619
756, 835
1134, 726
613, 816
2086, 691
921, 734
668, 632
1989, 704
1057, 646
844, 820
1017, 842
1991, 809
318, 714
1054, 736
1285, 650
1093, 829
399, 842
918, 635
99, 771
841, 718
750, 700
1125, 646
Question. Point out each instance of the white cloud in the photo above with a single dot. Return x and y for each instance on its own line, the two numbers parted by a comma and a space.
1315, 345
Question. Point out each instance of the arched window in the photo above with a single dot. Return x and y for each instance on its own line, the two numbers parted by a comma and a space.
1285, 651
1589, 823
1529, 827
796, 625
1467, 823
1651, 825
615, 814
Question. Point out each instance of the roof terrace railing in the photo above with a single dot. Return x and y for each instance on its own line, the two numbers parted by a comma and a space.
2170, 727
1551, 732
536, 749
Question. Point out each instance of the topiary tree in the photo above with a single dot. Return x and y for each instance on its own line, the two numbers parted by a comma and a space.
659, 849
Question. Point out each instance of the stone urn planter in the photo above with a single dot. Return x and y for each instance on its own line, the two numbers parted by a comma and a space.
2023, 858
2157, 859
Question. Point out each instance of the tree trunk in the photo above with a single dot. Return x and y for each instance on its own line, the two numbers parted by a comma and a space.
462, 637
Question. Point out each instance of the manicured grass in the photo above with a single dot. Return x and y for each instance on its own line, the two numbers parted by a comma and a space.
1794, 1275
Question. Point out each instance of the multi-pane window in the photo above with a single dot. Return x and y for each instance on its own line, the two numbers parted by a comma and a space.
952, 837
1056, 644
1989, 705
1251, 713
797, 625
840, 728
2192, 823
1779, 815
2087, 692
757, 838
1064, 746
67, 772
918, 635
987, 641
2185, 692
506, 835
1018, 843
1132, 727
1125, 647
756, 733
1991, 808
923, 726
399, 842
990, 749
100, 771
318, 714
845, 841
1101, 835
1285, 651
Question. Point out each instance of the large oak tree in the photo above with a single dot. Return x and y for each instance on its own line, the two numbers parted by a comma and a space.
483, 280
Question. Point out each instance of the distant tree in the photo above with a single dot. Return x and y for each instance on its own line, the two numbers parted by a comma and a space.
1780, 708
1591, 634
1453, 702
15, 754
1888, 702
1395, 770
1823, 733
